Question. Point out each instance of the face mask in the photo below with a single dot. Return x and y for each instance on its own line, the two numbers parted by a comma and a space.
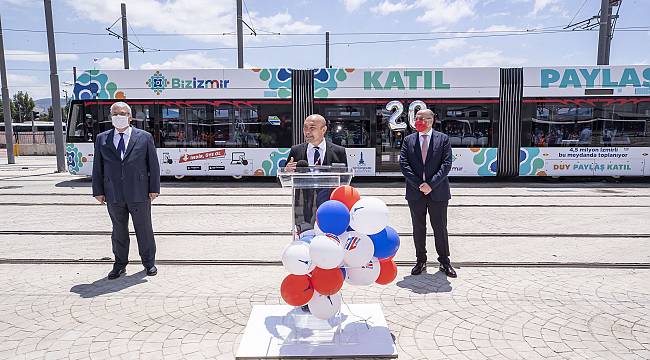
420, 125
120, 121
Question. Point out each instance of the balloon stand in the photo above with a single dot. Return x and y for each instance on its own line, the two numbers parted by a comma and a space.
285, 332
336, 237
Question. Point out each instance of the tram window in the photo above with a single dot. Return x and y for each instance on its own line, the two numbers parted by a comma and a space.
275, 125
222, 125
197, 130
348, 124
625, 125
252, 125
80, 128
595, 125
247, 128
142, 117
172, 131
466, 125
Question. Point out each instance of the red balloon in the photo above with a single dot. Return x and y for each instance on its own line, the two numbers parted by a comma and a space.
296, 290
387, 272
346, 194
327, 281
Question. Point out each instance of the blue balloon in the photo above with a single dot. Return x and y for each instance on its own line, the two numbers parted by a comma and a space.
386, 243
333, 217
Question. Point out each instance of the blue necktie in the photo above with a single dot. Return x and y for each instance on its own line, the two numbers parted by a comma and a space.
316, 156
120, 146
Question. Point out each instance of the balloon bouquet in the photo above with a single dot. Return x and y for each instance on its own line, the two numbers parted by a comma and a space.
351, 242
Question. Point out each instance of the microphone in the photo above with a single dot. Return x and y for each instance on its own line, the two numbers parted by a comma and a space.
302, 163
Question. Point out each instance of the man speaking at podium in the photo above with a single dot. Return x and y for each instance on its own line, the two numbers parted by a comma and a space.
316, 150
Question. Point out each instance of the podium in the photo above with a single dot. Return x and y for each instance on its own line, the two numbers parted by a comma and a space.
286, 332
310, 187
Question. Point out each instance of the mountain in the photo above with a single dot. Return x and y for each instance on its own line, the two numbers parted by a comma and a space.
42, 105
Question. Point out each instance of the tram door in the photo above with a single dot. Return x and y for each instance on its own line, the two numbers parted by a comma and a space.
389, 141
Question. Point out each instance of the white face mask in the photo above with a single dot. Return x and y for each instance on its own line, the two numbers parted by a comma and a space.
120, 121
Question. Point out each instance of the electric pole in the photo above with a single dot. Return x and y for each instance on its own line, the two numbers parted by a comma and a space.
125, 38
327, 49
6, 104
240, 36
606, 23
54, 89
604, 39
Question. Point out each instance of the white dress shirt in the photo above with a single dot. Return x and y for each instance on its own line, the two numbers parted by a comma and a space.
311, 150
428, 136
127, 136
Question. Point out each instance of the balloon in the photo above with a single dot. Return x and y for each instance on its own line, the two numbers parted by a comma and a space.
307, 236
327, 281
296, 290
317, 230
326, 251
346, 194
324, 306
364, 275
369, 216
387, 272
333, 217
358, 248
386, 243
296, 258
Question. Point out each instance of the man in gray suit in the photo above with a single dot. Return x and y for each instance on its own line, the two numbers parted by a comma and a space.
126, 176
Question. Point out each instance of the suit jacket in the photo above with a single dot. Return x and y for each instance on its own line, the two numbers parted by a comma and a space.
333, 153
129, 180
436, 168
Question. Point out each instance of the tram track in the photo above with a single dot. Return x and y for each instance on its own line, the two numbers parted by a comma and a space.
535, 195
253, 262
287, 233
26, 204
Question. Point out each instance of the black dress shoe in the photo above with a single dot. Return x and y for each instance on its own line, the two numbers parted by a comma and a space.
115, 273
152, 271
448, 270
419, 268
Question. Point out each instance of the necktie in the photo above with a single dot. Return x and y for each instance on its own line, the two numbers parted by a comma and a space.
120, 146
425, 150
316, 156
425, 147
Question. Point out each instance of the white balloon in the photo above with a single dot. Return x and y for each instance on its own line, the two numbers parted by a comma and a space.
326, 251
324, 306
358, 248
296, 259
317, 230
369, 216
364, 275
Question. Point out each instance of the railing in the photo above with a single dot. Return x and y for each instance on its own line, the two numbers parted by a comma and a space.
38, 137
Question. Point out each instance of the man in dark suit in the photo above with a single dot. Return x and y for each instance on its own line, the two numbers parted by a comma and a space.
425, 160
316, 150
126, 176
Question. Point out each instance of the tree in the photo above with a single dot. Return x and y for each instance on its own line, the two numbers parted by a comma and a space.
24, 106
14, 113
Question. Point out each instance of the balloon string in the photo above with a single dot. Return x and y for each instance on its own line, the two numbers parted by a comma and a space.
365, 320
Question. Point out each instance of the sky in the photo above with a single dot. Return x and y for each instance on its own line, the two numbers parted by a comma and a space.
173, 33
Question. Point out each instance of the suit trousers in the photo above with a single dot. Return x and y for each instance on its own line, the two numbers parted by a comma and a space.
141, 215
438, 218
